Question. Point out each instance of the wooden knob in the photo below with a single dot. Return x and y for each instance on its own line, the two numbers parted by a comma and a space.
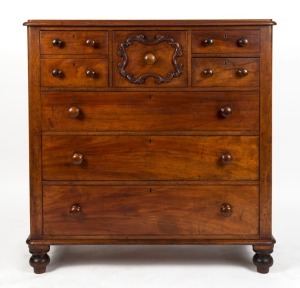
75, 210
208, 42
90, 43
243, 42
74, 112
208, 73
226, 158
77, 158
57, 73
226, 209
225, 111
90, 73
150, 58
57, 43
242, 72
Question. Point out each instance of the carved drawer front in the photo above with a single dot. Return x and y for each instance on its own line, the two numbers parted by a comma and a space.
150, 58
74, 42
74, 73
150, 157
225, 41
156, 211
164, 111
225, 72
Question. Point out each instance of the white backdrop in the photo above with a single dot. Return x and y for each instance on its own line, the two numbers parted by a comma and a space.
148, 266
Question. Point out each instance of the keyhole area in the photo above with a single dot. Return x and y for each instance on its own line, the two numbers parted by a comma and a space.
150, 190
74, 36
225, 36
225, 63
150, 141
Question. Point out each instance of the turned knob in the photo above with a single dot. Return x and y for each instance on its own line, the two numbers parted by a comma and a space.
208, 72
226, 158
226, 209
226, 111
150, 58
77, 158
90, 43
90, 73
208, 42
242, 72
75, 210
74, 112
57, 73
57, 43
243, 42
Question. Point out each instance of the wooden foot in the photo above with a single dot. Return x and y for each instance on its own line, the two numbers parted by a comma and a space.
262, 259
39, 259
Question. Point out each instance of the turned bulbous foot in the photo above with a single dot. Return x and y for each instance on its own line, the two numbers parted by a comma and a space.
39, 259
262, 259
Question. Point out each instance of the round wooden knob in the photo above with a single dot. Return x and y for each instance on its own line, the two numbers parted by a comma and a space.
242, 72
77, 158
208, 73
150, 58
90, 73
57, 73
74, 112
57, 43
208, 42
75, 210
243, 42
225, 111
226, 210
90, 43
226, 158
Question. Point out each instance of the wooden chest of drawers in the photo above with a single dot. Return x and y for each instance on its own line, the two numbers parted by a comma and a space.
150, 132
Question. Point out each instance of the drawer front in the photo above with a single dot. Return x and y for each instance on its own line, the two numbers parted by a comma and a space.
225, 41
150, 157
74, 73
157, 210
150, 59
135, 111
74, 42
225, 72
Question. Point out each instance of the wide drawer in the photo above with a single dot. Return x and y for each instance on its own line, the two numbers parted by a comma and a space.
225, 72
150, 157
136, 111
74, 42
224, 41
74, 72
156, 210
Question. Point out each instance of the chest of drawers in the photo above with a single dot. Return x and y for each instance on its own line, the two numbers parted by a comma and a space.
150, 132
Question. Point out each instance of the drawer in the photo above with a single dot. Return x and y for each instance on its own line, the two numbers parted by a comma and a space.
156, 210
164, 111
150, 157
74, 72
225, 41
225, 72
150, 59
74, 42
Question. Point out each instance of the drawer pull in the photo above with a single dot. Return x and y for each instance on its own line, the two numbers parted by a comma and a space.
77, 158
226, 209
57, 43
208, 73
208, 42
242, 73
150, 58
90, 43
90, 73
243, 42
225, 111
74, 112
57, 73
226, 158
75, 210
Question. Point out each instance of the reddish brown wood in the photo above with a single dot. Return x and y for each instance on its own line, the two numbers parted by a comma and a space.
39, 259
262, 258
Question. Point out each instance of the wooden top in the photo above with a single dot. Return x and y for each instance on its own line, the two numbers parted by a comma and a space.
95, 23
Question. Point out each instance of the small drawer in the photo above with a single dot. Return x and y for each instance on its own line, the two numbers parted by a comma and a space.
225, 72
74, 42
225, 41
156, 211
150, 157
74, 72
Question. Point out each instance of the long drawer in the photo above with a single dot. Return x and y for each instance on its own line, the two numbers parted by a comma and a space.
150, 157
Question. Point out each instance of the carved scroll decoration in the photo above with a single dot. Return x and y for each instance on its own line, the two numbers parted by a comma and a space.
150, 41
